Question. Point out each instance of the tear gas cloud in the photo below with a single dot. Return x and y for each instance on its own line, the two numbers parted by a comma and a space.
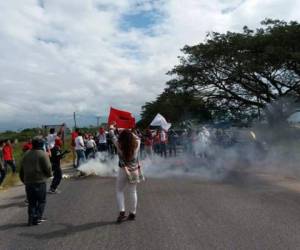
214, 153
246, 150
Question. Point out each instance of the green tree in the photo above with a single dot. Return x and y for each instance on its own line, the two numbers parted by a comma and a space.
240, 73
175, 107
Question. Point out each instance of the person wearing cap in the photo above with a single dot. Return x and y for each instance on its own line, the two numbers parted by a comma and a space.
35, 169
56, 156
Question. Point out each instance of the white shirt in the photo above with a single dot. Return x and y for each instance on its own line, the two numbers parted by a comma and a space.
51, 140
91, 143
163, 136
102, 138
79, 144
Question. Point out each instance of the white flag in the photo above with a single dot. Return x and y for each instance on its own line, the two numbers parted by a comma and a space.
160, 121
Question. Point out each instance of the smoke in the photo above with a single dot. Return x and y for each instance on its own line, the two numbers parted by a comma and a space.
101, 165
215, 153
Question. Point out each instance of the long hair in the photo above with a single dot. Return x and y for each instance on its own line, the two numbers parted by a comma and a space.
128, 144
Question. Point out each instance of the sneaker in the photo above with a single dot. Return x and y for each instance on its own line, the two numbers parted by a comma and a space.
33, 222
51, 191
122, 217
43, 219
131, 216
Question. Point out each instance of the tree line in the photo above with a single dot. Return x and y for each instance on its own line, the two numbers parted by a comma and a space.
234, 76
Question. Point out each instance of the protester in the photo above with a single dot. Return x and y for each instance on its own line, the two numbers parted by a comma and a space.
102, 140
172, 142
79, 147
73, 137
128, 146
51, 138
85, 138
148, 139
56, 156
156, 143
163, 142
112, 133
35, 169
8, 156
189, 141
27, 146
2, 169
90, 147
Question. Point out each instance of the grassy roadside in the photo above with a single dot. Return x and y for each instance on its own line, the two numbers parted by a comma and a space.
13, 179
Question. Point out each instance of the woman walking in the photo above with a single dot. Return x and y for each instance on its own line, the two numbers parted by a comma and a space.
128, 146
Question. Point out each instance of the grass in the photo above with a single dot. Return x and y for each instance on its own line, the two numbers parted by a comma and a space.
13, 179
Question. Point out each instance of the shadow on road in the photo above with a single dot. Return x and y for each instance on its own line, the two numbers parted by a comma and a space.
12, 226
22, 196
14, 204
68, 230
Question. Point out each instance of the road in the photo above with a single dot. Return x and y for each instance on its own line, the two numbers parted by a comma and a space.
243, 212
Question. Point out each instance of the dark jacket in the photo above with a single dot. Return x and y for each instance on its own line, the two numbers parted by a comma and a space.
56, 156
35, 167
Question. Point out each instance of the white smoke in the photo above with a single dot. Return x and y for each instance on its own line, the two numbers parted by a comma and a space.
101, 165
250, 149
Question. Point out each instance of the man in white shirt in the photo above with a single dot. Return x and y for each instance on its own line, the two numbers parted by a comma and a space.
90, 147
102, 140
79, 148
51, 138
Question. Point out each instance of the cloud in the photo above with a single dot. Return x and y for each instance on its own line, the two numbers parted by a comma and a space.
58, 57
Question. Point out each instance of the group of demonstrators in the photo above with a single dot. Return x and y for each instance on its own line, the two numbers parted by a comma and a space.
42, 160
155, 141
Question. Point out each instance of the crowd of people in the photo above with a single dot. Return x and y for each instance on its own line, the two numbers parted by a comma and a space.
43, 156
159, 141
42, 159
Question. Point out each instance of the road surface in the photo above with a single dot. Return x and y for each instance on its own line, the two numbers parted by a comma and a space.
243, 212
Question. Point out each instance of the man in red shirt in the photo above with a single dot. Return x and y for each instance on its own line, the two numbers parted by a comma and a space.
8, 156
2, 169
27, 146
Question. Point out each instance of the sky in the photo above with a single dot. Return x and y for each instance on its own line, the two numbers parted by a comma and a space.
84, 56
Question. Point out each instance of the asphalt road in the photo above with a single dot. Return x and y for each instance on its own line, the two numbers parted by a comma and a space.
242, 212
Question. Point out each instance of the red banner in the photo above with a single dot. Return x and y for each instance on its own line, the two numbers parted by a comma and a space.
122, 119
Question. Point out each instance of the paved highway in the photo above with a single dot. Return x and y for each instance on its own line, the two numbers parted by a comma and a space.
242, 212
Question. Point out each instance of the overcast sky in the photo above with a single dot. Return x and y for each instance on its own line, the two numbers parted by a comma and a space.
61, 56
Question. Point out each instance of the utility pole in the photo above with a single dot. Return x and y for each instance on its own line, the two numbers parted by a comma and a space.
98, 121
74, 116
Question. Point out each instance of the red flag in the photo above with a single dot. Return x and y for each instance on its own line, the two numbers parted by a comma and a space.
123, 119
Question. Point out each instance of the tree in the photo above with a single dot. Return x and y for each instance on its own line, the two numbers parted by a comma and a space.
175, 107
242, 72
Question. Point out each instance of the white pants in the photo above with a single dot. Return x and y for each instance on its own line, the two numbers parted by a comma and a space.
122, 182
